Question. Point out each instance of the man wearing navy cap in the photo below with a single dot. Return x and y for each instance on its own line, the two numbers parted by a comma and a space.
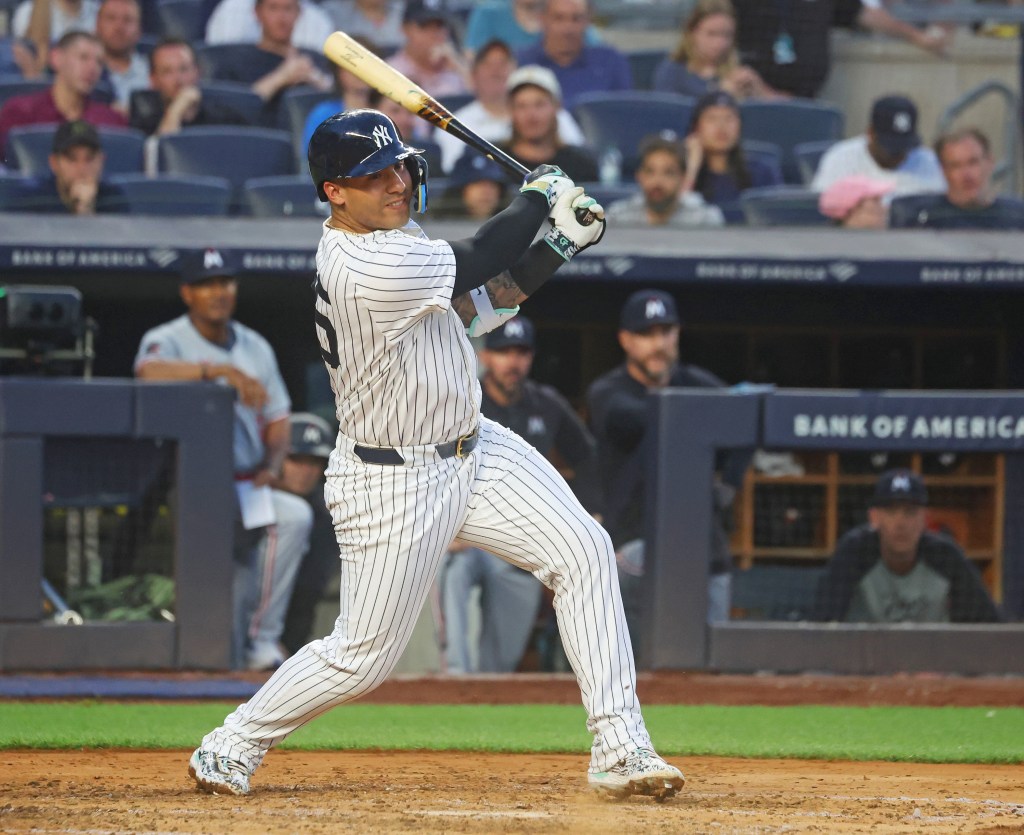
649, 336
207, 344
892, 570
478, 184
510, 596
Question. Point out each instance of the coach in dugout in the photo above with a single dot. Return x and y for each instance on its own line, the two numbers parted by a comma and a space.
891, 570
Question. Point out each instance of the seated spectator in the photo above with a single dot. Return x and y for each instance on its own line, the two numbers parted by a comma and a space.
77, 67
477, 187
176, 101
970, 201
488, 114
119, 28
352, 93
516, 23
275, 63
662, 201
377, 21
76, 186
534, 101
236, 21
716, 166
890, 152
44, 22
855, 202
580, 68
892, 570
429, 57
706, 58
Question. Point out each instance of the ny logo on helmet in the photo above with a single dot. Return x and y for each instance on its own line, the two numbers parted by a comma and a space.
514, 329
655, 308
900, 482
381, 136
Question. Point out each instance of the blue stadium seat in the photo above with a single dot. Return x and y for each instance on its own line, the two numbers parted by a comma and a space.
212, 58
28, 149
291, 196
767, 153
237, 97
622, 120
181, 19
296, 105
781, 206
808, 155
15, 85
457, 100
12, 191
172, 195
790, 123
642, 64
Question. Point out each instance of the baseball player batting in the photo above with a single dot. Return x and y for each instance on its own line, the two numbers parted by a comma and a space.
416, 465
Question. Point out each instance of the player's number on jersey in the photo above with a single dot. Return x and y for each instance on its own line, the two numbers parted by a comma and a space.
325, 330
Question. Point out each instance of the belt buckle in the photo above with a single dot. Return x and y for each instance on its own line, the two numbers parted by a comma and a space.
458, 447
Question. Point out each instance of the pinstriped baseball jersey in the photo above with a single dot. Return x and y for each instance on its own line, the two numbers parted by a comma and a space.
402, 369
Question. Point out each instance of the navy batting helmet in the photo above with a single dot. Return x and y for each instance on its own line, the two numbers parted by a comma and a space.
360, 142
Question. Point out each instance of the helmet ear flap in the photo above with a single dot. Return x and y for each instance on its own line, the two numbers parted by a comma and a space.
418, 169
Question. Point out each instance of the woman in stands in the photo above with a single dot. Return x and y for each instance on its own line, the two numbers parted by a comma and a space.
706, 59
716, 166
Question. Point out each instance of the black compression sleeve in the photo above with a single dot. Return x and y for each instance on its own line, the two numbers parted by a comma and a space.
536, 266
499, 243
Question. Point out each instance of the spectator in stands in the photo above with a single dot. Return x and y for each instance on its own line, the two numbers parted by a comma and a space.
77, 66
488, 114
970, 201
662, 200
619, 418
516, 23
429, 57
351, 93
175, 100
477, 187
238, 21
207, 344
580, 68
716, 167
534, 101
76, 186
44, 22
890, 152
377, 21
855, 202
275, 64
706, 58
789, 47
893, 570
119, 28
302, 474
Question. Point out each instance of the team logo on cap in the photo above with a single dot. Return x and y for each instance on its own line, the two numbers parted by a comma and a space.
901, 122
381, 136
311, 435
900, 482
212, 260
655, 308
514, 329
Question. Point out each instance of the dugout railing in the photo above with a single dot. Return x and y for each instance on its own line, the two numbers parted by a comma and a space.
693, 425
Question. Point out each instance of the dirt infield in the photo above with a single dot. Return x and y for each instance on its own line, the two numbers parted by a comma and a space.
313, 793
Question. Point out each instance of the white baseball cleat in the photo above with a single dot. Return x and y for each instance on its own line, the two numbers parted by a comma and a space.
218, 775
641, 772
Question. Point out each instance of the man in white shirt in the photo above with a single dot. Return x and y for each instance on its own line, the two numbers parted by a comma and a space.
234, 21
119, 27
890, 152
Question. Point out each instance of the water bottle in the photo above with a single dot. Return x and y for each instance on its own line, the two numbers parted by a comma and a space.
610, 166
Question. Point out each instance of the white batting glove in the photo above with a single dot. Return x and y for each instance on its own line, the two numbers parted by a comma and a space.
549, 180
568, 236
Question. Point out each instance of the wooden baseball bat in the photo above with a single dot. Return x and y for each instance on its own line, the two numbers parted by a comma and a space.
389, 82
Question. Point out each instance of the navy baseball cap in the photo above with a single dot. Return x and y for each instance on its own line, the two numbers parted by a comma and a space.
894, 124
206, 264
424, 11
899, 486
515, 333
647, 308
310, 435
472, 168
75, 134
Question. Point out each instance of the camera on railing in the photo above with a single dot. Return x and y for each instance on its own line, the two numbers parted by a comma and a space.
43, 331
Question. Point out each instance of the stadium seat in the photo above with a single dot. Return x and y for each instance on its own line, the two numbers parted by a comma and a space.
767, 153
642, 65
28, 149
236, 97
15, 85
181, 19
904, 211
622, 120
12, 190
213, 58
296, 105
808, 155
790, 123
291, 196
781, 206
457, 100
172, 195
235, 153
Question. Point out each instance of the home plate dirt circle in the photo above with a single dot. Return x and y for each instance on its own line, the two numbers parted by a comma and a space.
92, 792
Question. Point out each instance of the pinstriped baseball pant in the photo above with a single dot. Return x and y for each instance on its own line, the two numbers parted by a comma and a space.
394, 525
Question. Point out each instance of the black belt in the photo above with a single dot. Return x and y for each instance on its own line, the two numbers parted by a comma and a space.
459, 448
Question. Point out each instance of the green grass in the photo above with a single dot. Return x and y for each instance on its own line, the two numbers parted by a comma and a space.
963, 735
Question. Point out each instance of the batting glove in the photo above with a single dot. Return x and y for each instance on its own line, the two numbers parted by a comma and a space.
549, 180
568, 236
